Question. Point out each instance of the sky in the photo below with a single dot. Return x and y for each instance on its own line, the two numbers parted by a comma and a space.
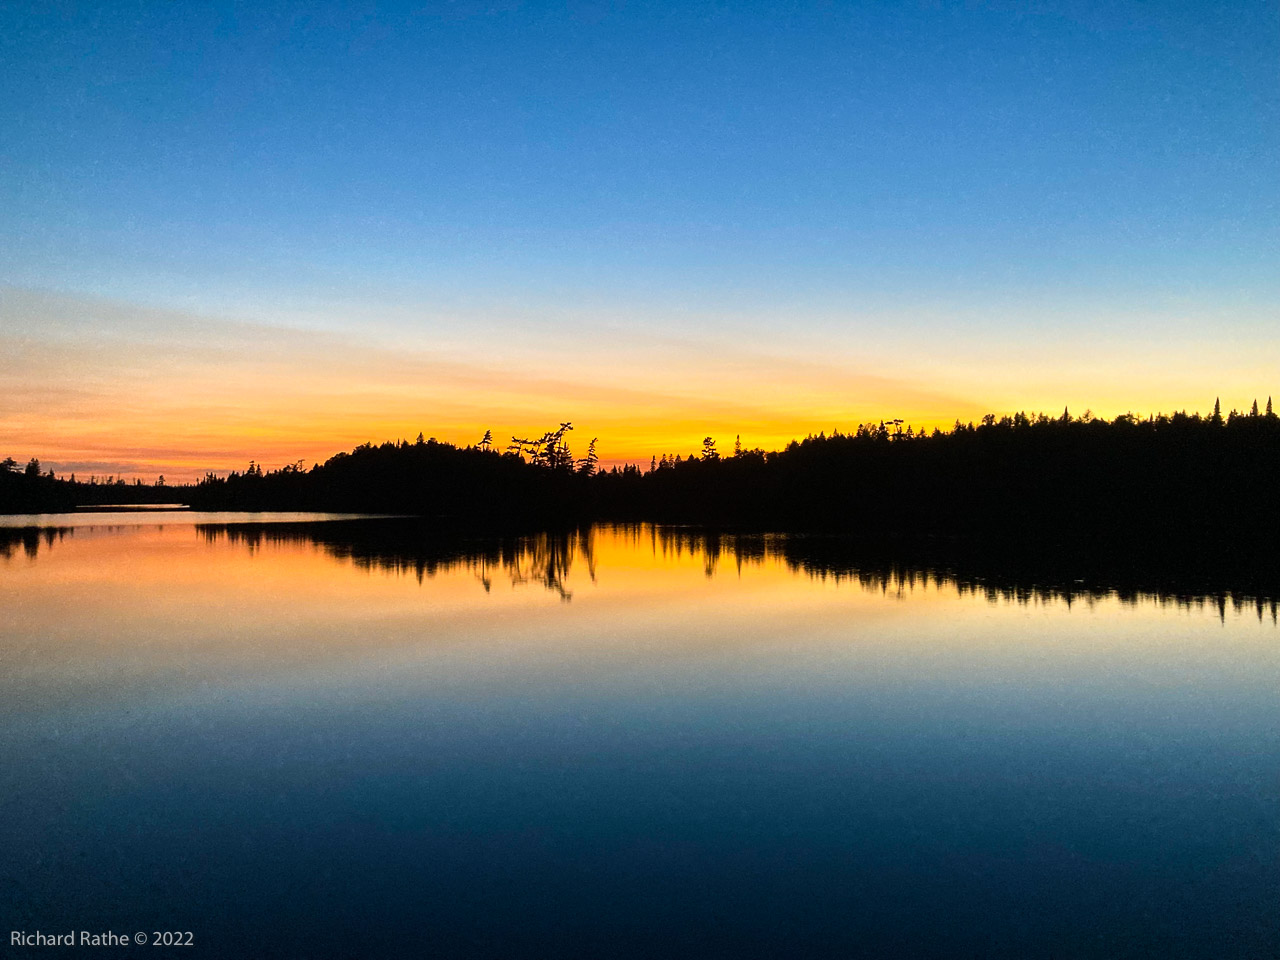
273, 231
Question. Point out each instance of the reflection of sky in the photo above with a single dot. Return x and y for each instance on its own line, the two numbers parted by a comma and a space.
316, 227
158, 607
273, 746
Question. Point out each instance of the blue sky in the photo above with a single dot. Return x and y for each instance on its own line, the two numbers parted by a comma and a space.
820, 172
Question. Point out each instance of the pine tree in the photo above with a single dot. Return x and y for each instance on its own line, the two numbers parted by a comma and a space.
1253, 412
588, 463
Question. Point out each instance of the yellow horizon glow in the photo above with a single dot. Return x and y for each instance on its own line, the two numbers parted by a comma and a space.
102, 388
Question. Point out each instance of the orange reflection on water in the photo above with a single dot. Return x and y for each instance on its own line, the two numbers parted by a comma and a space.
180, 610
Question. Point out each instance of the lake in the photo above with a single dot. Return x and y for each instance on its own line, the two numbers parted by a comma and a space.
359, 739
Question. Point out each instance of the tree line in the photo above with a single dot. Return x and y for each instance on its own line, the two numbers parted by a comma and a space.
30, 489
1161, 478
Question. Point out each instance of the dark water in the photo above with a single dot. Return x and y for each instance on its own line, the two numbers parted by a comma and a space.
339, 740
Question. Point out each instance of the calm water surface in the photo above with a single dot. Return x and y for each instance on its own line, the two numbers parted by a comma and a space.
336, 740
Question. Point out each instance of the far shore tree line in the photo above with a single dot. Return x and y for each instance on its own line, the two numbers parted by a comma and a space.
1159, 476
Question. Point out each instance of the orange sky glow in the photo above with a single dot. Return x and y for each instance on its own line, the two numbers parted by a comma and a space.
98, 387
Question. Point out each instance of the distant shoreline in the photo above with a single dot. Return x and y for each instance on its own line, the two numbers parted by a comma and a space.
130, 507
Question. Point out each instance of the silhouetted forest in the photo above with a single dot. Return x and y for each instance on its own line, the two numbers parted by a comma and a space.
1164, 478
27, 489
1179, 479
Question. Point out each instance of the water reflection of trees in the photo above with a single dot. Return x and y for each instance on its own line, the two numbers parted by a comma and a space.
27, 540
551, 559
1040, 576
408, 548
